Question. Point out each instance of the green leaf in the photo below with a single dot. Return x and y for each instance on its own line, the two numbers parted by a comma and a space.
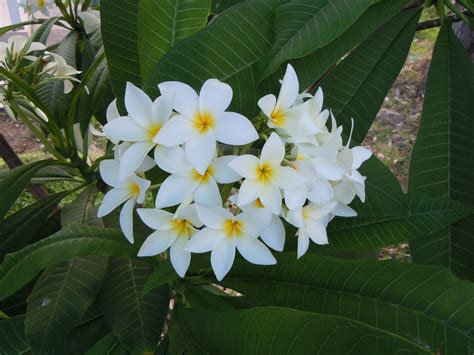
310, 68
163, 24
137, 321
18, 229
274, 330
91, 21
12, 338
15, 181
163, 274
76, 211
21, 267
60, 298
108, 345
423, 304
228, 49
307, 25
443, 157
9, 28
373, 66
119, 31
42, 33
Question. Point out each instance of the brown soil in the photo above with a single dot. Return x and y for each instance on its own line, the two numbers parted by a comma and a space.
18, 135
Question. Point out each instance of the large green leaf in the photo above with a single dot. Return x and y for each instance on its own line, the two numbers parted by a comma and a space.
373, 66
60, 298
119, 31
443, 157
18, 229
228, 49
273, 330
135, 319
21, 267
15, 181
109, 345
76, 211
423, 304
310, 68
163, 23
12, 337
304, 26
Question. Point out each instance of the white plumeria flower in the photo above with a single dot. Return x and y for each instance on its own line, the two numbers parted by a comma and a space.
58, 68
120, 150
131, 191
202, 121
311, 221
281, 112
224, 232
32, 6
18, 46
185, 181
265, 177
140, 127
171, 231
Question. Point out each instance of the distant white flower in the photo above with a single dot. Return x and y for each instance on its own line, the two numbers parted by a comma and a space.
202, 121
171, 231
58, 68
265, 177
32, 6
224, 232
131, 191
186, 181
145, 119
17, 47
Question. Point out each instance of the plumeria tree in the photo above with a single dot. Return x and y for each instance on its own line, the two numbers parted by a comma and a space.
233, 209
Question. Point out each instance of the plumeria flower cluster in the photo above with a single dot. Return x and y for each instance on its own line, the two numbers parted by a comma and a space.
16, 48
33, 6
211, 201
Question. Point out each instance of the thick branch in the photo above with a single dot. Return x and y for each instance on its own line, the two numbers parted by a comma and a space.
437, 22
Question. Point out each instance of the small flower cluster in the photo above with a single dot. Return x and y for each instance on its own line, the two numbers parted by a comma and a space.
33, 6
303, 174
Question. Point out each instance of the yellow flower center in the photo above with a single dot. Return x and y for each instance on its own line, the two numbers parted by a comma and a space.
134, 188
153, 130
41, 3
182, 227
203, 178
203, 122
233, 228
258, 203
264, 172
278, 117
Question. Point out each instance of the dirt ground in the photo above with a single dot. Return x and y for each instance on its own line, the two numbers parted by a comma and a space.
18, 135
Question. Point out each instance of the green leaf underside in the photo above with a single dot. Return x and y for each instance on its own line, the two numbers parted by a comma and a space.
76, 211
423, 304
21, 267
12, 337
60, 298
163, 274
275, 330
357, 87
227, 49
140, 320
304, 26
163, 24
443, 159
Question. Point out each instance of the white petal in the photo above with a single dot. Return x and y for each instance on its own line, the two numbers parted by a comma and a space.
138, 105
190, 213
205, 240
36, 46
112, 111
155, 218
174, 190
343, 211
303, 244
328, 169
274, 234
246, 165
109, 170
162, 108
295, 217
273, 150
267, 104
200, 150
214, 97
68, 86
222, 258
318, 211
175, 132
296, 197
126, 219
287, 178
255, 251
180, 258
223, 173
125, 129
157, 243
271, 198
234, 129
112, 200
249, 191
317, 232
208, 193
360, 155
133, 157
172, 160
321, 192
289, 89
143, 186
186, 99
147, 164
255, 221
213, 216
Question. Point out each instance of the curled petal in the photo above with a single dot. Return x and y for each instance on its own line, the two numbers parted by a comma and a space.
273, 151
138, 105
180, 258
126, 219
317, 231
222, 258
303, 244
156, 243
267, 104
186, 99
234, 129
109, 172
289, 89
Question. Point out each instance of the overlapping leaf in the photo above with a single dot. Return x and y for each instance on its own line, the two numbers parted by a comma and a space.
12, 337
